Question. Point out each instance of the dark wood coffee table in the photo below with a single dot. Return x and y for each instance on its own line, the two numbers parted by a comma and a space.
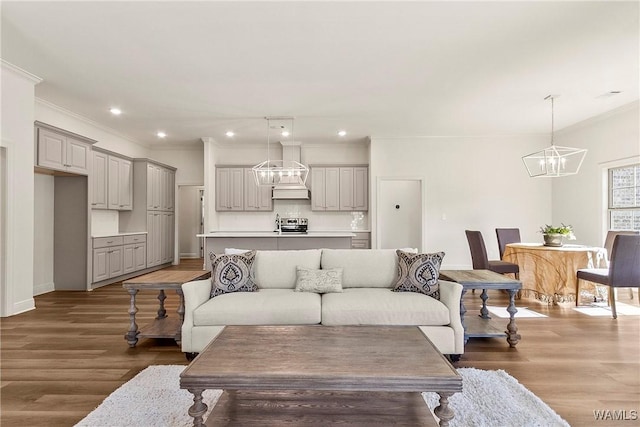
296, 375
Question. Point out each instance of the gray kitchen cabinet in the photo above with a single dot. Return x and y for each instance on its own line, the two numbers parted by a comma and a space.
354, 188
99, 181
325, 189
107, 258
229, 188
256, 197
153, 210
134, 252
362, 240
120, 183
154, 238
61, 150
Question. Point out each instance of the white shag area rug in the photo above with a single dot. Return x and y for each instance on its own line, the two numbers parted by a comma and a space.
153, 398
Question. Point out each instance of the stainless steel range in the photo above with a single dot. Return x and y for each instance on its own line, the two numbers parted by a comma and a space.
292, 225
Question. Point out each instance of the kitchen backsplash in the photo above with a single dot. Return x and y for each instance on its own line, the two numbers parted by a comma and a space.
265, 221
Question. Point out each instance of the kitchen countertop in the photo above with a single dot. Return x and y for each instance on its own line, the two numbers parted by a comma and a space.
275, 234
130, 233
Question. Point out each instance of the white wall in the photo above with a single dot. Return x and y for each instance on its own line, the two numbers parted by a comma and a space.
43, 237
189, 161
476, 183
612, 139
17, 109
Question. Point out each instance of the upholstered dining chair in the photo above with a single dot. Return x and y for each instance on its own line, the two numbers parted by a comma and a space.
608, 245
480, 259
623, 271
506, 236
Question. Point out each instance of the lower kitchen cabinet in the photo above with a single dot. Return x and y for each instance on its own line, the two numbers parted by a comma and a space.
114, 256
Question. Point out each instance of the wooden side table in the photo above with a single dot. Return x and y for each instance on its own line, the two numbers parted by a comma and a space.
485, 279
163, 326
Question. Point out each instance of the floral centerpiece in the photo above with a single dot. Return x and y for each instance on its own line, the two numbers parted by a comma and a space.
554, 236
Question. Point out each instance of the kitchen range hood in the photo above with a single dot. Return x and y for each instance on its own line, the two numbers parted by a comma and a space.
290, 187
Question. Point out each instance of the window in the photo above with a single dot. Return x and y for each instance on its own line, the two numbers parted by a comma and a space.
624, 198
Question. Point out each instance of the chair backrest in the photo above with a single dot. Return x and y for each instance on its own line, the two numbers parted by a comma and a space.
478, 250
611, 235
506, 236
624, 269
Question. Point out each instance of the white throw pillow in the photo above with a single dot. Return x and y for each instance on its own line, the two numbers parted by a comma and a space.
318, 281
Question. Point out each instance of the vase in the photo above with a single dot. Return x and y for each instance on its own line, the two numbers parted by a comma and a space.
556, 240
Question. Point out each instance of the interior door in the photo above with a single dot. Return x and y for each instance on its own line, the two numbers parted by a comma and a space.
399, 223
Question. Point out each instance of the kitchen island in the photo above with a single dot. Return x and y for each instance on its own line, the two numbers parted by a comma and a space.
271, 240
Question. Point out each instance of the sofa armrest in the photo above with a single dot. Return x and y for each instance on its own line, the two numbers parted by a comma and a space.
195, 294
450, 295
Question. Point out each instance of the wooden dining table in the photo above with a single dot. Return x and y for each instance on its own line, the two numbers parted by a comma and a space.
548, 273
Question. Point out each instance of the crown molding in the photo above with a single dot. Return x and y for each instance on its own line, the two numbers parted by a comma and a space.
90, 122
600, 117
20, 72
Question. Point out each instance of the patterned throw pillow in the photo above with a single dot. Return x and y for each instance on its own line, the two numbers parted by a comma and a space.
318, 281
232, 273
419, 273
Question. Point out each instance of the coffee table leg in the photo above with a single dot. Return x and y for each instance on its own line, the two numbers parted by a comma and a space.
443, 410
132, 335
180, 316
199, 408
162, 313
512, 330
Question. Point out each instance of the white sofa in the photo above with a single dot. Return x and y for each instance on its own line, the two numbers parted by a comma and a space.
367, 299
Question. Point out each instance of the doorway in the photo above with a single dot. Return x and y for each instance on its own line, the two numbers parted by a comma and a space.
399, 213
190, 199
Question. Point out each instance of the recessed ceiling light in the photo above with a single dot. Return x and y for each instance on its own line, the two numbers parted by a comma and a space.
230, 133
342, 132
609, 94
285, 133
161, 134
115, 111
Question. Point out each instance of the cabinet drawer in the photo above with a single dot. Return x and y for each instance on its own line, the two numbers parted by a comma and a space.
359, 244
103, 242
136, 238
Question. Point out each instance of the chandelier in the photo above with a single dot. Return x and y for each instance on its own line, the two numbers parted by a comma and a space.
280, 172
555, 160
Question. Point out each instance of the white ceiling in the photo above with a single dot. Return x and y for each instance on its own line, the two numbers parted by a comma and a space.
383, 69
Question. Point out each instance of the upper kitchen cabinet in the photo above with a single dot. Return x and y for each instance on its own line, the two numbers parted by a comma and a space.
112, 181
256, 197
160, 188
99, 180
354, 188
229, 188
325, 189
120, 183
62, 150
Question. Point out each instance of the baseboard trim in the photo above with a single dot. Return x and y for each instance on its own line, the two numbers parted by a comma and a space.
189, 255
24, 306
43, 288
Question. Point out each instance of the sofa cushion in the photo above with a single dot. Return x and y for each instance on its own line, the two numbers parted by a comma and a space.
319, 281
361, 306
419, 273
364, 268
264, 307
277, 269
232, 273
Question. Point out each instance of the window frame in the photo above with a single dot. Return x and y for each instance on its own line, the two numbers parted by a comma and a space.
635, 209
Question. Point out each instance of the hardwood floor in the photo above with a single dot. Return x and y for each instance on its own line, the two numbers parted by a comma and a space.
60, 361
